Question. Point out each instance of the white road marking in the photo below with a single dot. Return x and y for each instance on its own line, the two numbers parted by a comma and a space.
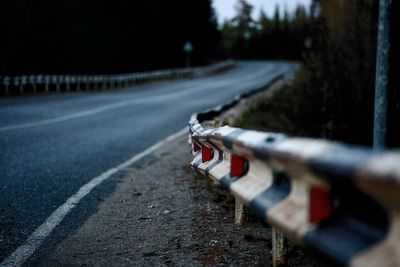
215, 85
101, 109
23, 252
105, 108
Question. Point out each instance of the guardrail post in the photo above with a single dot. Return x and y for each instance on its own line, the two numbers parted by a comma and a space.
279, 248
46, 83
24, 81
6, 83
34, 87
78, 84
17, 83
239, 212
87, 83
32, 80
58, 85
68, 84
104, 83
20, 86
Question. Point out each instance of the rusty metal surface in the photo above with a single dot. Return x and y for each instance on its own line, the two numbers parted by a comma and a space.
363, 226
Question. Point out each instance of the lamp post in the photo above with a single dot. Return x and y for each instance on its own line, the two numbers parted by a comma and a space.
382, 76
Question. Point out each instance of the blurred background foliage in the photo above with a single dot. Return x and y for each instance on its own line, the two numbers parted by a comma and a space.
332, 96
279, 37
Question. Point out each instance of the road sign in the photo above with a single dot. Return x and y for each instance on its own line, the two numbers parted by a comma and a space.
188, 47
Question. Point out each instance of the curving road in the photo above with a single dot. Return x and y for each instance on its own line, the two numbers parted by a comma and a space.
52, 145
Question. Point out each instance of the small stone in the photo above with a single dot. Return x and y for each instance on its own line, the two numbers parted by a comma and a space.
213, 242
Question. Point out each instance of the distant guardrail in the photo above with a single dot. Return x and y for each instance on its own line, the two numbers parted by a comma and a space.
18, 85
340, 200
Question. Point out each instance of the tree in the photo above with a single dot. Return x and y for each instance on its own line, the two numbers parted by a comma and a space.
99, 36
243, 20
341, 70
264, 22
272, 38
277, 18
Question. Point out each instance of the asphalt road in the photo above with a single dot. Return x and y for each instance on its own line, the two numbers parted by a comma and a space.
52, 145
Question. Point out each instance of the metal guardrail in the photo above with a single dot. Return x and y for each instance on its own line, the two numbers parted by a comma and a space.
18, 85
342, 201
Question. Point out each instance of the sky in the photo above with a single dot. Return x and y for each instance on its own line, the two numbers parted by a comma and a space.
225, 9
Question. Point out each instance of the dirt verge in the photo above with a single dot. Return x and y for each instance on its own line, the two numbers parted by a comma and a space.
161, 214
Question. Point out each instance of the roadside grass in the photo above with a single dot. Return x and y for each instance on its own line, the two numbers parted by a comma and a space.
294, 109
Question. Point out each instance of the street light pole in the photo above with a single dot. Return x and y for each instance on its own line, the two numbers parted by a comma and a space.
382, 76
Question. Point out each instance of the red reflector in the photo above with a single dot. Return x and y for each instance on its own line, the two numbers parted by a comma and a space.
196, 147
320, 204
238, 166
206, 154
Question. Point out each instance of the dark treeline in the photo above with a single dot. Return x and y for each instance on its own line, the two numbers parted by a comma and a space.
332, 96
341, 70
279, 37
103, 36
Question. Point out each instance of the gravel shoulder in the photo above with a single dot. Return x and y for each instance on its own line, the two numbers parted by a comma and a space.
161, 213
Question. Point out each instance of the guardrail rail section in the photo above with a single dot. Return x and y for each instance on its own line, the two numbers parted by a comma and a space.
18, 85
340, 200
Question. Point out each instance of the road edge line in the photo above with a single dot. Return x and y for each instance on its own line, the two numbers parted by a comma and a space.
26, 250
